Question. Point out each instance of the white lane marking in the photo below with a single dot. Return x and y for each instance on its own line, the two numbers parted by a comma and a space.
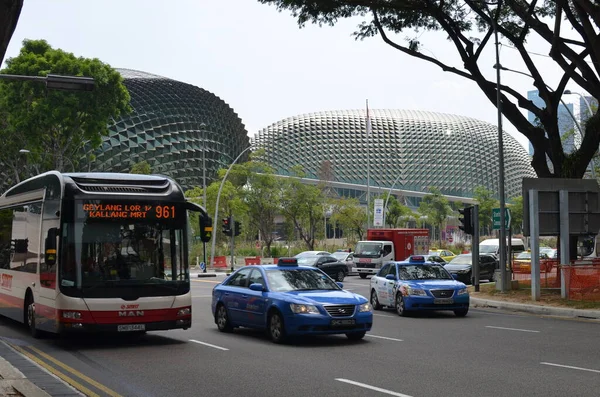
383, 315
375, 388
201, 296
208, 344
384, 337
571, 367
513, 329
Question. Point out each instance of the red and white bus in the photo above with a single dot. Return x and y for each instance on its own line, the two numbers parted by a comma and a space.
96, 252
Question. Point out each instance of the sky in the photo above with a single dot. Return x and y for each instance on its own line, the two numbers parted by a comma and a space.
262, 64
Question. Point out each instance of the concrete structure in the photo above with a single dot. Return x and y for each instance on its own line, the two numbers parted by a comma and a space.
411, 150
172, 123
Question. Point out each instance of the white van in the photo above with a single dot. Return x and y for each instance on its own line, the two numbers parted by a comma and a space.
492, 246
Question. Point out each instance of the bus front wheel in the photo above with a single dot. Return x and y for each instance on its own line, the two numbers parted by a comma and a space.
30, 316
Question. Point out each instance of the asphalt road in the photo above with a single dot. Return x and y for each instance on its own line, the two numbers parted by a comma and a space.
487, 353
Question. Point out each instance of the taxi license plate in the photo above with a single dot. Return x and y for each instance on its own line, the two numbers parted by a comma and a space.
131, 327
341, 323
443, 301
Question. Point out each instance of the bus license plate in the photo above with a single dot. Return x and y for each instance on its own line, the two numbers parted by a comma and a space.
131, 327
443, 301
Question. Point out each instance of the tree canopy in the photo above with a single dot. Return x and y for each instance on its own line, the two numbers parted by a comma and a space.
56, 126
568, 28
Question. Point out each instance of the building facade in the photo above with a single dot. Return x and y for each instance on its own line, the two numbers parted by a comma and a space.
175, 127
408, 150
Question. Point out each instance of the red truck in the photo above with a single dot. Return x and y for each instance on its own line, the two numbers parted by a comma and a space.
383, 245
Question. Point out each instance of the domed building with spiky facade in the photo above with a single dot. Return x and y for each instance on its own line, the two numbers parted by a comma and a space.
406, 150
175, 127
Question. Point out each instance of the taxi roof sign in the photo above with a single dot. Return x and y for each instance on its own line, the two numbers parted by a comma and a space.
287, 262
417, 259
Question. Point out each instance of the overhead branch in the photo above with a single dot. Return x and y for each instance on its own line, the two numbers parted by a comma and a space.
416, 54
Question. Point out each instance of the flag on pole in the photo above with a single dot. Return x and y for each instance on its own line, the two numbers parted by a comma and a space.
369, 127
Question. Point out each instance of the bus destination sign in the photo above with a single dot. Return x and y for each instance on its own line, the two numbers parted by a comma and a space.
128, 211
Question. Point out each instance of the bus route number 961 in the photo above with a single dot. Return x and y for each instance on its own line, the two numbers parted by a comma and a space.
165, 211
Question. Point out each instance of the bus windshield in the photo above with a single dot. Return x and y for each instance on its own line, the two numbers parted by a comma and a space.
129, 247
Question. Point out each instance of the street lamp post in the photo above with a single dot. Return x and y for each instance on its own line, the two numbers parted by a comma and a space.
214, 237
502, 242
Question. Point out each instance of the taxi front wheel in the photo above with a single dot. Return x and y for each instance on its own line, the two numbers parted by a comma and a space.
400, 309
276, 328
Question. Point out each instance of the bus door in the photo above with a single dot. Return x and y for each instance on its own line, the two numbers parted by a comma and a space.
48, 274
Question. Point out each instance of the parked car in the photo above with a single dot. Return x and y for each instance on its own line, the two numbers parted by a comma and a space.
522, 262
287, 299
418, 285
328, 264
462, 267
446, 254
310, 253
431, 258
345, 257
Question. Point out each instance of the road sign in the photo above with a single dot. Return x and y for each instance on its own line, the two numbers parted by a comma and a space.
496, 218
202, 266
378, 212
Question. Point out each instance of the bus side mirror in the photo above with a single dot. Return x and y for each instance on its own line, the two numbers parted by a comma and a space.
50, 247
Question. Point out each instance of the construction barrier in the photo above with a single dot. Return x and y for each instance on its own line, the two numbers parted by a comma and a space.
252, 260
220, 261
582, 282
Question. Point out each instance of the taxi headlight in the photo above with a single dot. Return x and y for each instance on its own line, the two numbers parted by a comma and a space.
462, 291
416, 291
365, 307
304, 309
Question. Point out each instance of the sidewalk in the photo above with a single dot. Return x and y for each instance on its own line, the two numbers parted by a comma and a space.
536, 309
21, 377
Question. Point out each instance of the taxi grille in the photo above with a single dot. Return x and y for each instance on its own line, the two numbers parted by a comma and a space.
340, 310
442, 293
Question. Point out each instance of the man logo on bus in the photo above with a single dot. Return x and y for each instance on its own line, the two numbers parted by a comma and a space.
132, 313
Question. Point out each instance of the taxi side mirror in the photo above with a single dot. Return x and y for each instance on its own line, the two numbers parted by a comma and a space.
257, 287
390, 277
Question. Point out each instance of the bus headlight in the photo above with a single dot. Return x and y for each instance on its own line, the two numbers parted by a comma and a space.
184, 312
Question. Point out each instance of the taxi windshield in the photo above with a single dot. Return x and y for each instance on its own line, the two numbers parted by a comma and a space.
299, 280
423, 272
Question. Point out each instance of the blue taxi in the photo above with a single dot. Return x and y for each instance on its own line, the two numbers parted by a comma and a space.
418, 285
287, 299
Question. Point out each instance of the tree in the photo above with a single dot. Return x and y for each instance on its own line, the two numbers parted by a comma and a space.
56, 125
436, 207
303, 206
262, 195
143, 167
486, 201
397, 212
516, 214
348, 213
469, 26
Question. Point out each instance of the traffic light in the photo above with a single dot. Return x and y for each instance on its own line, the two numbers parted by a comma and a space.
237, 228
227, 226
205, 228
466, 220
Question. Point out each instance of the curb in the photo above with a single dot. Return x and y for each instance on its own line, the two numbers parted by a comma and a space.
537, 309
207, 274
14, 383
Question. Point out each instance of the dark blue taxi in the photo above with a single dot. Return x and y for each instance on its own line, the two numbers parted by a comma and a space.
287, 299
418, 285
